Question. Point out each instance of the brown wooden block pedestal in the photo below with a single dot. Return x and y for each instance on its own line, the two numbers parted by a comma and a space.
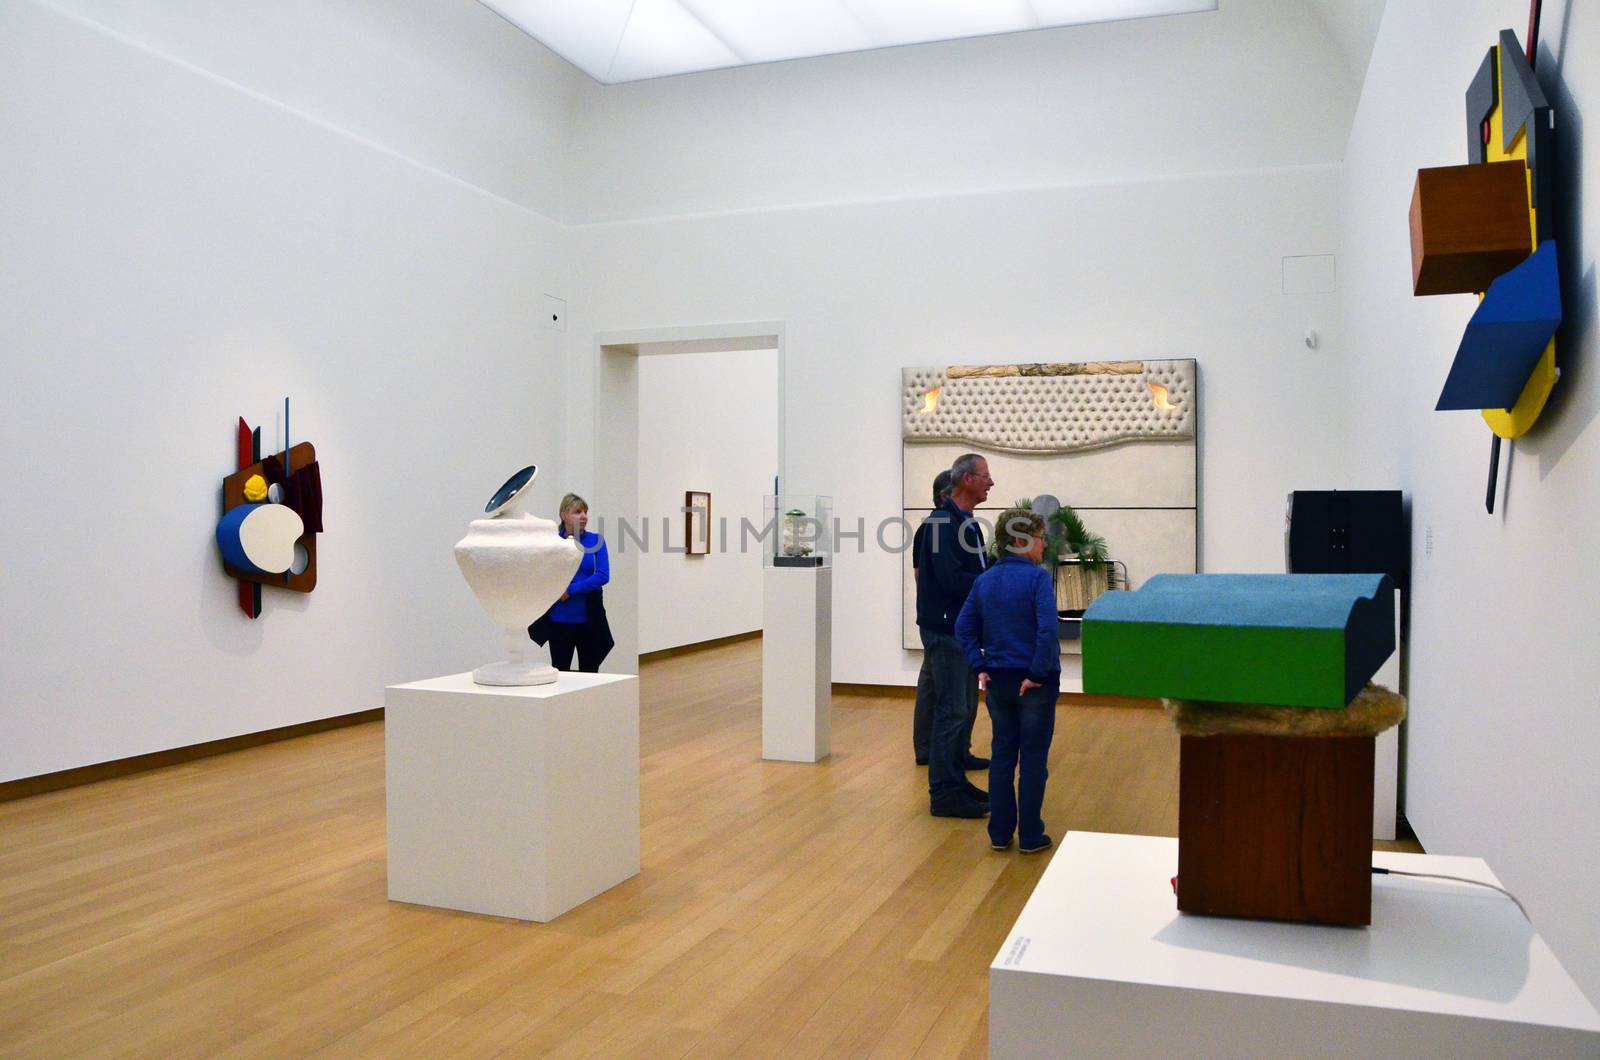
1276, 827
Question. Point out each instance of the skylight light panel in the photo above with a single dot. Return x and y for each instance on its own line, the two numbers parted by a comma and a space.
1074, 12
662, 38
583, 32
629, 40
768, 30
918, 21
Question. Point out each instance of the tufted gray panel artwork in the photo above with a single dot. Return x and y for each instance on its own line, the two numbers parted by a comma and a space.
1050, 408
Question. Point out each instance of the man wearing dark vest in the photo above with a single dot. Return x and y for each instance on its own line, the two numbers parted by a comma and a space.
948, 559
922, 715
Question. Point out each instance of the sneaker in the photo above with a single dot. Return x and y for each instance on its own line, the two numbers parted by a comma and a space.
974, 762
978, 793
999, 846
961, 806
1042, 844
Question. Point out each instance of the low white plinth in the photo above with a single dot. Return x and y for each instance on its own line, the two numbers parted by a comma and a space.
1101, 963
519, 802
797, 664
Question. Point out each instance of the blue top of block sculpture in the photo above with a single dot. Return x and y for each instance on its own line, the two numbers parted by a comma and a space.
1288, 601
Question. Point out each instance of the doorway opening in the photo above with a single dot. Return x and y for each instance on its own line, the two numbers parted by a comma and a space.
679, 413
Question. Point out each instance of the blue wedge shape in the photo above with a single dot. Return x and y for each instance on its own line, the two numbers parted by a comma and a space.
1512, 326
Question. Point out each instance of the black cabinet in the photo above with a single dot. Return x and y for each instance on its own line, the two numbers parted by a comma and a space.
1348, 532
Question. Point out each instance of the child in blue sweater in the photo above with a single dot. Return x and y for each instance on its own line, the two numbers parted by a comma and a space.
1008, 629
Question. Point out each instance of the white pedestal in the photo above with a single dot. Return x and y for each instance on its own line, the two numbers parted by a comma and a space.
1386, 756
797, 664
1101, 963
519, 802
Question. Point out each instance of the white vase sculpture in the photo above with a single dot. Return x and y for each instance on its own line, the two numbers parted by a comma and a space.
517, 565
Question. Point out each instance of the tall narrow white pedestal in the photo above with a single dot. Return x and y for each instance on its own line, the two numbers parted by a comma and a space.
518, 802
1386, 753
1101, 963
797, 664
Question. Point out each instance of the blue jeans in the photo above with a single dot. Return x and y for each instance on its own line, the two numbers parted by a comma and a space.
1023, 728
922, 716
954, 702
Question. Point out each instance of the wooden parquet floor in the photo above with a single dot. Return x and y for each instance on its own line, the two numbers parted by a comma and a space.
235, 906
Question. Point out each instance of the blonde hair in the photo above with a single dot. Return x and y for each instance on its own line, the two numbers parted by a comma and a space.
1018, 524
571, 503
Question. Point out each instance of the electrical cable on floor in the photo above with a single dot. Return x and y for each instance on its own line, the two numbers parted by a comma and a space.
1458, 879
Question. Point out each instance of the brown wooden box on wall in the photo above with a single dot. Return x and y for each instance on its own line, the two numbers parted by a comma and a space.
1276, 827
1469, 224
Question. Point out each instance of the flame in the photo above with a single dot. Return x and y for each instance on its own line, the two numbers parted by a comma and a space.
1163, 402
930, 401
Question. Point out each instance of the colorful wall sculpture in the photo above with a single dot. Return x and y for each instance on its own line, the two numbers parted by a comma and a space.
1487, 228
271, 516
1113, 439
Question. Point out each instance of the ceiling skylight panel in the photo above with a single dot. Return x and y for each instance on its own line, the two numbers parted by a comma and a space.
1073, 12
583, 33
770, 30
629, 40
918, 21
662, 38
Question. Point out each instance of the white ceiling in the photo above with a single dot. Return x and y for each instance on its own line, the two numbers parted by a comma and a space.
631, 40
1353, 25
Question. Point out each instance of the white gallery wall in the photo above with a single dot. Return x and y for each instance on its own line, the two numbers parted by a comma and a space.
1256, 84
177, 251
1504, 681
707, 422
1111, 191
446, 84
1161, 269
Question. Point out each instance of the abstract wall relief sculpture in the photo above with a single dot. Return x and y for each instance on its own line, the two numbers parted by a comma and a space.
1487, 228
271, 516
1114, 440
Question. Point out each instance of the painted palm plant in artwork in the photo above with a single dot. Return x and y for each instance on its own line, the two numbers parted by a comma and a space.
1072, 540
1077, 556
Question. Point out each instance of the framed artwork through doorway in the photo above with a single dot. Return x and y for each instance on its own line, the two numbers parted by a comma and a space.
697, 522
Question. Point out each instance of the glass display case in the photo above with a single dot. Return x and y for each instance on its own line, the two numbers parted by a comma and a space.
798, 531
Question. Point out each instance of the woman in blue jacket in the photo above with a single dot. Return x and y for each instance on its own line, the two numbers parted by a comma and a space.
577, 621
1009, 631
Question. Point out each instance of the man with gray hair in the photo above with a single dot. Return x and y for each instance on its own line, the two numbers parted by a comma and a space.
948, 560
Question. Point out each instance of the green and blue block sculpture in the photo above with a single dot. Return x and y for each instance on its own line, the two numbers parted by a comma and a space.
1293, 640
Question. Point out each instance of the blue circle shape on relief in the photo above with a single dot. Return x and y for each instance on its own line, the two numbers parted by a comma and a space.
267, 538
228, 529
514, 485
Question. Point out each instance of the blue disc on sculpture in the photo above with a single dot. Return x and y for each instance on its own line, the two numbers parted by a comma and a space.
259, 538
513, 489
